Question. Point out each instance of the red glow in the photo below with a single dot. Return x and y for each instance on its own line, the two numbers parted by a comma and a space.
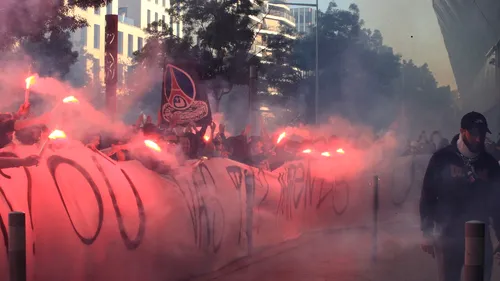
57, 134
70, 99
281, 137
151, 144
30, 81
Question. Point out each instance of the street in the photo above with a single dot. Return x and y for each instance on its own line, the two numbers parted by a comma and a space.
342, 256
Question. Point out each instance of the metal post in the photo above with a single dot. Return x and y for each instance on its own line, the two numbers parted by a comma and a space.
316, 93
474, 251
252, 93
375, 217
17, 246
250, 194
497, 79
111, 63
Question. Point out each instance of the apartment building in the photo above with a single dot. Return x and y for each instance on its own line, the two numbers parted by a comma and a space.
305, 19
133, 17
270, 22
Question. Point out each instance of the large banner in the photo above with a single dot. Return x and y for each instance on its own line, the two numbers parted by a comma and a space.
183, 97
90, 219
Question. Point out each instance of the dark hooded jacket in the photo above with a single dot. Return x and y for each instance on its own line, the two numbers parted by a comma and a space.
453, 192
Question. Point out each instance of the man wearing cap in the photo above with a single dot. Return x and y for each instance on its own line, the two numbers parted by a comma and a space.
460, 184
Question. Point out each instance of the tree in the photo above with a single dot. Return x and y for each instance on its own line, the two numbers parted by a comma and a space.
356, 70
224, 33
353, 61
44, 35
281, 68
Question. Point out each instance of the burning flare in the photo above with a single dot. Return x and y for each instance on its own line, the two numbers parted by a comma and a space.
206, 138
281, 137
57, 134
30, 81
70, 99
340, 150
307, 151
326, 154
151, 144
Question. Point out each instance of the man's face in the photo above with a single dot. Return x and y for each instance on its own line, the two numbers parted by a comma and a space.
474, 139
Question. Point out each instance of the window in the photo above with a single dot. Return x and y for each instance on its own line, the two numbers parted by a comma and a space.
149, 17
120, 73
97, 36
178, 29
139, 43
97, 11
83, 36
120, 42
156, 1
163, 20
130, 45
109, 9
164, 3
95, 70
156, 17
171, 23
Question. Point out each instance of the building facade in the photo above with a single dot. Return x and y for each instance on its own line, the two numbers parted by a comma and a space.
470, 30
305, 19
272, 21
133, 17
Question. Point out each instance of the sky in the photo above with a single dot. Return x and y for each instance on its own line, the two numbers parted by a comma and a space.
399, 20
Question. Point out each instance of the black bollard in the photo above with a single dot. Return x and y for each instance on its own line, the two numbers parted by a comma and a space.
375, 217
474, 251
17, 246
250, 194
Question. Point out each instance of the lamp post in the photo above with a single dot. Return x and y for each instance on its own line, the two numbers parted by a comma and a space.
495, 51
316, 72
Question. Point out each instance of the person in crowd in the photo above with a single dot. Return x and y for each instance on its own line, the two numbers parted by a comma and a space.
30, 135
219, 149
13, 162
257, 154
438, 141
425, 144
8, 125
94, 142
461, 183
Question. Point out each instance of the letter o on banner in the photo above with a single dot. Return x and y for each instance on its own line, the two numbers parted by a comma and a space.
53, 163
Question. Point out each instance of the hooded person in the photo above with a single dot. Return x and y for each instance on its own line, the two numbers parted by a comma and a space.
460, 185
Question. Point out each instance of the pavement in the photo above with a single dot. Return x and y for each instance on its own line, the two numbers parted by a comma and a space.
344, 255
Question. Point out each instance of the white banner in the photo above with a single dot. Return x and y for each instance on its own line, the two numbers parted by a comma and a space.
88, 219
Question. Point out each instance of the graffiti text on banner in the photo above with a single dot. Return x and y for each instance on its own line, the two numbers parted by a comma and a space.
300, 188
221, 209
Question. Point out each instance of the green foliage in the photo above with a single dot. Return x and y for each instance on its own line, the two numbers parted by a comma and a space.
223, 31
42, 31
354, 64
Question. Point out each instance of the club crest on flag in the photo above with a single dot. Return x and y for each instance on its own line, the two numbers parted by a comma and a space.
181, 97
180, 89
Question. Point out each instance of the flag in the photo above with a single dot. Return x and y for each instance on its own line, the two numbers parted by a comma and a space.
182, 97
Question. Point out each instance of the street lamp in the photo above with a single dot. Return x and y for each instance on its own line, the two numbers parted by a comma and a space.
316, 72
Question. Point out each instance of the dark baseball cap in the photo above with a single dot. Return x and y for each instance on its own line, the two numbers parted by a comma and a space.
474, 120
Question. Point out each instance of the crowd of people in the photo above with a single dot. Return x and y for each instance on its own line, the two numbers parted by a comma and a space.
429, 145
183, 142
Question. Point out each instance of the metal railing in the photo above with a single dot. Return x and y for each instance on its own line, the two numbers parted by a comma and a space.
282, 14
125, 20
